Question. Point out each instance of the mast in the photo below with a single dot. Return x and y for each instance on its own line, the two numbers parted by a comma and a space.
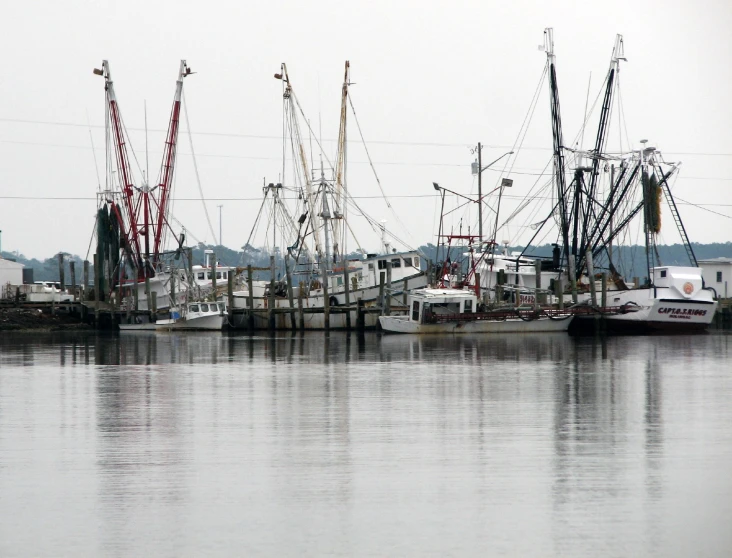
559, 178
289, 96
167, 168
338, 196
131, 233
600, 145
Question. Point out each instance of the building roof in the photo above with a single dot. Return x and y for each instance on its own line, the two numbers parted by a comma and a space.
10, 264
720, 260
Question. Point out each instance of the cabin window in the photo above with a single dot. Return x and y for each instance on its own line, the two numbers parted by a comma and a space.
226, 274
719, 276
201, 275
396, 262
218, 275
407, 262
371, 267
416, 262
382, 264
204, 307
194, 308
468, 306
415, 311
663, 273
208, 275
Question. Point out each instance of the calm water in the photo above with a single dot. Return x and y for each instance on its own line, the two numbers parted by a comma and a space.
198, 444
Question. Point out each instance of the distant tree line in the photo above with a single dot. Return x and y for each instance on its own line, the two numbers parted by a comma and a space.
632, 259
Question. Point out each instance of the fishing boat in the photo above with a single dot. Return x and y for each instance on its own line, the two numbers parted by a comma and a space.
308, 233
441, 311
192, 316
609, 195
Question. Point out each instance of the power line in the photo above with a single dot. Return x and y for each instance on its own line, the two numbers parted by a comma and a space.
279, 138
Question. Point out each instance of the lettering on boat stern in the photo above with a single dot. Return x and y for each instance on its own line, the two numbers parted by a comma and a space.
682, 313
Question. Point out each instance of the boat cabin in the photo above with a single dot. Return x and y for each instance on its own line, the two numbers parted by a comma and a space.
431, 305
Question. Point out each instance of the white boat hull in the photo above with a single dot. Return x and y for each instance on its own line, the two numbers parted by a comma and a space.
402, 324
212, 322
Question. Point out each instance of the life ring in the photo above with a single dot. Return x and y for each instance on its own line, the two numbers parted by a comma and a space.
333, 301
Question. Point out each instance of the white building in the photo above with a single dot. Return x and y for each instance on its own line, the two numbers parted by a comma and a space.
11, 273
717, 274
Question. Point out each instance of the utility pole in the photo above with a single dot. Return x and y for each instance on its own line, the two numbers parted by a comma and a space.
480, 194
221, 242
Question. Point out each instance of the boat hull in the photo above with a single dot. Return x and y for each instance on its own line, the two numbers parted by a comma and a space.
651, 310
401, 324
212, 322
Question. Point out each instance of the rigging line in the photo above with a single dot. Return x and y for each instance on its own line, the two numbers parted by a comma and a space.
94, 153
373, 169
195, 167
703, 208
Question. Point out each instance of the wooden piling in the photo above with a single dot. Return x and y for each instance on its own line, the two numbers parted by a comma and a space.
85, 286
61, 277
326, 299
405, 289
288, 277
148, 296
387, 294
573, 278
300, 312
360, 316
172, 289
559, 292
230, 293
381, 291
537, 280
347, 294
191, 279
591, 277
603, 299
97, 294
154, 298
72, 272
213, 276
271, 304
250, 298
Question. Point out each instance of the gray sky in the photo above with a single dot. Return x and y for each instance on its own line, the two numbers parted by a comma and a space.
431, 80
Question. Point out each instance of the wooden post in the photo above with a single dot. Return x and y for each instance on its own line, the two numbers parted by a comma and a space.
72, 272
148, 297
191, 279
290, 296
431, 274
136, 296
476, 279
172, 289
85, 286
591, 277
381, 291
97, 294
250, 298
573, 278
61, 278
154, 298
230, 292
537, 273
213, 276
271, 305
387, 293
405, 288
559, 292
326, 299
603, 299
500, 281
300, 313
347, 293
636, 282
360, 316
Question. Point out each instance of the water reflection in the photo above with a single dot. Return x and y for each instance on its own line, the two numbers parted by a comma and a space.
181, 443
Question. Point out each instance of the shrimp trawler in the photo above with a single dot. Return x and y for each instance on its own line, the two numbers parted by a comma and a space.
307, 233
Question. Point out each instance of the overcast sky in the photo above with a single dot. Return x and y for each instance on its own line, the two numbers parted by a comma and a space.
431, 80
